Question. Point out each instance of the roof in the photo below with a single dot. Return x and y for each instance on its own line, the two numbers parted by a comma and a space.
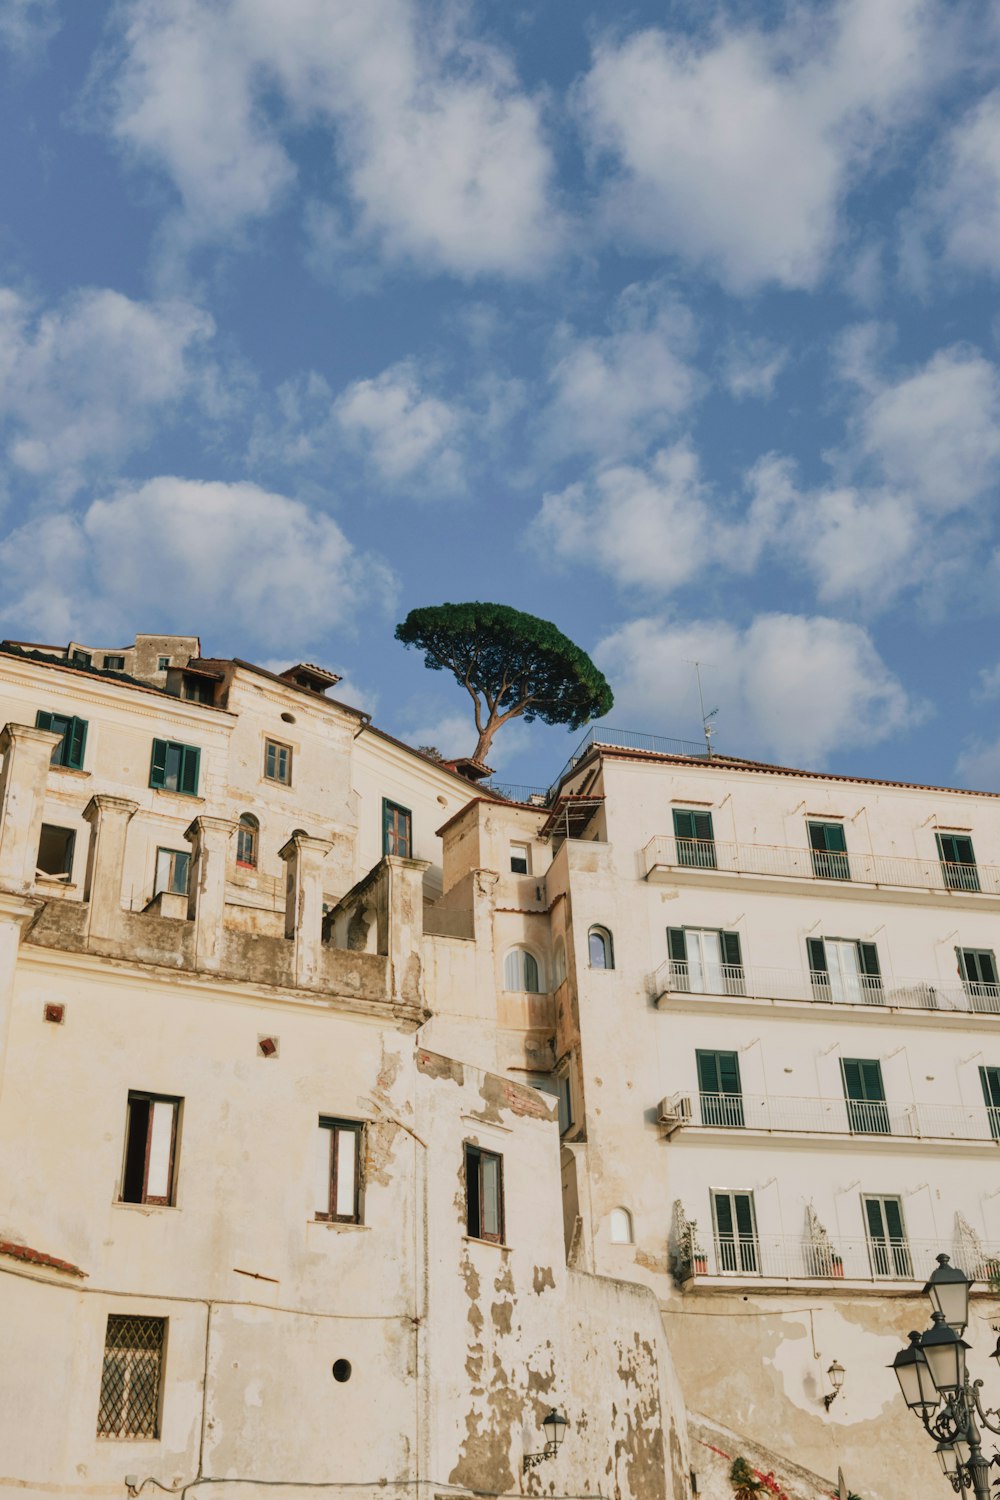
12, 648
760, 767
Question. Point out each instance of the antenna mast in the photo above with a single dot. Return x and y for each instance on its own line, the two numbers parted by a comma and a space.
706, 718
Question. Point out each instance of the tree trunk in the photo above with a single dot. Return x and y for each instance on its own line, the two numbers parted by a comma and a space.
485, 740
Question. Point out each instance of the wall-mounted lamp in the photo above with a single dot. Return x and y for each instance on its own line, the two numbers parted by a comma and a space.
836, 1374
554, 1426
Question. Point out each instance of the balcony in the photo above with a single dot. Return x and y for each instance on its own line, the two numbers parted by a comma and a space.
870, 1118
789, 1258
675, 978
666, 857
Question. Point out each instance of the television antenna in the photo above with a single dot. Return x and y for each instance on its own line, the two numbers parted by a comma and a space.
708, 728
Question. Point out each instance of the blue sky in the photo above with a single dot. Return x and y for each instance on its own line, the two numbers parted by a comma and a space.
673, 323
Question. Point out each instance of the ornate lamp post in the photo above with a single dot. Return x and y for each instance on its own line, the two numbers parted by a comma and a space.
936, 1386
554, 1426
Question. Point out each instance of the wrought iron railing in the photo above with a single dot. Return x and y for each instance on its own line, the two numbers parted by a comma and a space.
838, 1116
629, 739
787, 1258
666, 851
675, 977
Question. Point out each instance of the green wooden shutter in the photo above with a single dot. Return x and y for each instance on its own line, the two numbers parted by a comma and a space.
744, 1215
893, 1218
188, 780
677, 945
684, 825
75, 744
43, 720
817, 955
827, 838
868, 958
990, 1080
709, 1080
729, 1072
873, 1212
851, 1070
702, 826
158, 765
731, 950
723, 1215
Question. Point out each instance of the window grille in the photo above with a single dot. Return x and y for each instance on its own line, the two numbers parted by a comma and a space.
130, 1378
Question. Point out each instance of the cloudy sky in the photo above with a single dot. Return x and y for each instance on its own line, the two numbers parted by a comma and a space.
674, 323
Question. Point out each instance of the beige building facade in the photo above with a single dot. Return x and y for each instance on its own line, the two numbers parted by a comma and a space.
353, 1118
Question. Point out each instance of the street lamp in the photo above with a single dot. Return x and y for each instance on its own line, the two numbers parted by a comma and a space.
836, 1375
554, 1426
936, 1386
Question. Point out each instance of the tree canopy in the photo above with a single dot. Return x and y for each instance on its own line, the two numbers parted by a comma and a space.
513, 665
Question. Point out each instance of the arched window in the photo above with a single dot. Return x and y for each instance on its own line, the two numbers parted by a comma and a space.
246, 841
621, 1226
558, 963
520, 971
602, 954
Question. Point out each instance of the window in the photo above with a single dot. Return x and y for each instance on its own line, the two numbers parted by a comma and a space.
163, 663
114, 664
69, 751
978, 968
621, 1226
990, 1080
520, 859
278, 762
174, 768
958, 862
483, 1194
695, 839
198, 689
397, 829
246, 841
339, 1168
55, 851
887, 1247
867, 1112
520, 972
131, 1377
172, 869
829, 851
845, 970
564, 1093
602, 953
719, 1091
705, 962
150, 1149
81, 658
558, 962
735, 1226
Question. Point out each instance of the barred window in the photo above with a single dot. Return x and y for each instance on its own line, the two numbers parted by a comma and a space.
131, 1377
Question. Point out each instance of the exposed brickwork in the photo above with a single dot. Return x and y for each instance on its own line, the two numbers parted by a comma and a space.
38, 1258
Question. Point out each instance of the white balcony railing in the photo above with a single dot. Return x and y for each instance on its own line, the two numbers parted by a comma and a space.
848, 1117
667, 852
901, 992
786, 1258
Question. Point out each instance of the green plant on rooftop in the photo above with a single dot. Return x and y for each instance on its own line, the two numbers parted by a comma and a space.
513, 665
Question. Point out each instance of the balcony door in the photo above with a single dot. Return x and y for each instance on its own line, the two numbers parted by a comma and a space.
844, 970
864, 1091
958, 862
735, 1223
829, 851
887, 1247
978, 968
990, 1080
695, 839
719, 1091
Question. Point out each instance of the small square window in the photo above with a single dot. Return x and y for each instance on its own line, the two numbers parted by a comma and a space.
172, 870
484, 1217
55, 851
70, 749
131, 1377
114, 664
174, 767
163, 663
339, 1170
278, 762
148, 1170
81, 658
520, 859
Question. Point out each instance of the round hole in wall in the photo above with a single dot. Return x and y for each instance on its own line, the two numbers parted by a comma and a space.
341, 1370
288, 718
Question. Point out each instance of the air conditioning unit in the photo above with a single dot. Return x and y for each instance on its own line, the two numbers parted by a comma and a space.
674, 1112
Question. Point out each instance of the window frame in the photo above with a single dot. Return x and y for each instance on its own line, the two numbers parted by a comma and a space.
71, 749
159, 1200
122, 1433
827, 863
518, 859
867, 1110
893, 1253
188, 768
989, 1080
473, 1153
732, 972
602, 935
116, 658
696, 848
280, 746
391, 836
519, 950
335, 1126
248, 826
169, 889
742, 1250
65, 874
959, 874
720, 1106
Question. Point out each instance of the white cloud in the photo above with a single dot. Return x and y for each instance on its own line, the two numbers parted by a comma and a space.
27, 24
442, 154
737, 152
750, 367
978, 765
455, 734
346, 690
615, 392
794, 687
962, 200
184, 554
81, 385
405, 433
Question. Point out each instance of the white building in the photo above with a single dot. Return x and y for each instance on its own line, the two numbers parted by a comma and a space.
284, 1202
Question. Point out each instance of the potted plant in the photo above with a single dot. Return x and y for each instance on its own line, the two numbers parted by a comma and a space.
699, 1261
836, 1265
744, 1479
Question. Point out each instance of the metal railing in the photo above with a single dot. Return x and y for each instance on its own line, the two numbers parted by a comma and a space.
512, 791
850, 1117
897, 992
785, 1258
666, 851
629, 739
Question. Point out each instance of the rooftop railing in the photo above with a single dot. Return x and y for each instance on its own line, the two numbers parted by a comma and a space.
848, 1117
786, 1258
665, 851
628, 739
675, 977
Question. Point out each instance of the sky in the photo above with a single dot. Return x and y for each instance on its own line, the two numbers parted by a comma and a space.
673, 323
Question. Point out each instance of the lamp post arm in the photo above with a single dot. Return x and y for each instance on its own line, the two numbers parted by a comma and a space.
988, 1416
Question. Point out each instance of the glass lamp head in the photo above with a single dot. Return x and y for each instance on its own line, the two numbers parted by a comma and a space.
915, 1380
944, 1352
554, 1426
948, 1289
